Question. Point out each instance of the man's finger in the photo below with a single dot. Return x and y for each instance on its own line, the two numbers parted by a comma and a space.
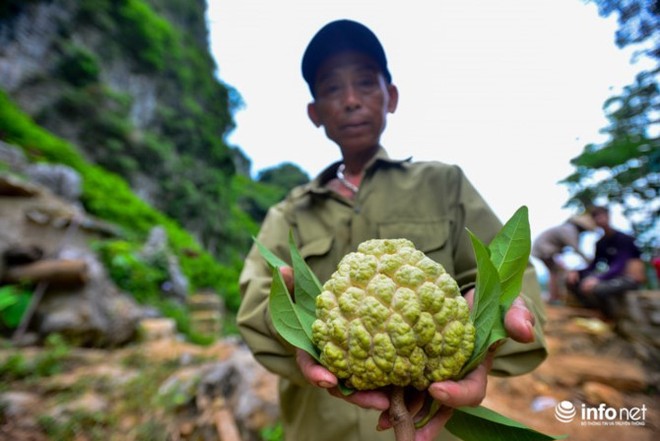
519, 322
287, 275
314, 372
376, 400
470, 391
431, 429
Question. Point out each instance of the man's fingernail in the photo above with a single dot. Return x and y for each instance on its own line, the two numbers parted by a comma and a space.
530, 326
441, 395
325, 384
379, 428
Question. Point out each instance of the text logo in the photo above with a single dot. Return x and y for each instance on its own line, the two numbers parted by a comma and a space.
601, 415
565, 411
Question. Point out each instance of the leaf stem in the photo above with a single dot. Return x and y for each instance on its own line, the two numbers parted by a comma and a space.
401, 419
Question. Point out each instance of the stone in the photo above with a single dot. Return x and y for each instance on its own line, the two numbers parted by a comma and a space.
96, 314
156, 250
15, 404
13, 156
62, 180
22, 254
247, 388
150, 329
13, 186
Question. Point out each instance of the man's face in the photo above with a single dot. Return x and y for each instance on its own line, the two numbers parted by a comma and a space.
352, 101
602, 219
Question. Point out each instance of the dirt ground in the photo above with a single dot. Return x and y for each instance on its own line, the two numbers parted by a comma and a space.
591, 367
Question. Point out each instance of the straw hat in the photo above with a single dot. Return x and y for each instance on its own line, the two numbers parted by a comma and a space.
584, 221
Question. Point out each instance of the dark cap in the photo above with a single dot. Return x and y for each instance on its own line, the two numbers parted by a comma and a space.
338, 36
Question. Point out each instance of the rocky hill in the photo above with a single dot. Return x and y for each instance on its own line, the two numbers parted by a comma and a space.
126, 94
132, 85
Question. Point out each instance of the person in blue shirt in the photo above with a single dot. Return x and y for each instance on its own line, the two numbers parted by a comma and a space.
616, 268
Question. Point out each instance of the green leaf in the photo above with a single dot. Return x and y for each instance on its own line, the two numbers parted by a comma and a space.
293, 323
7, 299
480, 423
306, 284
485, 313
271, 259
13, 304
509, 252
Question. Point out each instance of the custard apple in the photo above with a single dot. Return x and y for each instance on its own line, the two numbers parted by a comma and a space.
390, 315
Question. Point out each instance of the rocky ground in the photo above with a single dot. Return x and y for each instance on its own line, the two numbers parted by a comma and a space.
590, 365
163, 388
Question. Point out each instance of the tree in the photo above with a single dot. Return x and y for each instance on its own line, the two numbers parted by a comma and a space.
625, 169
285, 176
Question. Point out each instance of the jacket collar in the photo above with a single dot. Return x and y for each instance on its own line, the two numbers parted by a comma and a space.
317, 185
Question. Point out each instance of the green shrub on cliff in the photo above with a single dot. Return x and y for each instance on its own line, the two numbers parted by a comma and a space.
109, 197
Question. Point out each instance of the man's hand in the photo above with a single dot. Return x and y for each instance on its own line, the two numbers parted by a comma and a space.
588, 284
323, 378
469, 391
572, 277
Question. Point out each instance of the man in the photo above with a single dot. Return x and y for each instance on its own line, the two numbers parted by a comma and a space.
368, 195
615, 269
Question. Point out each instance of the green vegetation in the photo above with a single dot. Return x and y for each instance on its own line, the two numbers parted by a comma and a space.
93, 424
109, 197
210, 213
109, 55
625, 169
51, 361
179, 142
78, 66
273, 433
14, 300
125, 398
132, 272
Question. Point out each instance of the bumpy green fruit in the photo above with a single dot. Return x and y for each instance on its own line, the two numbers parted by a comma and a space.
390, 315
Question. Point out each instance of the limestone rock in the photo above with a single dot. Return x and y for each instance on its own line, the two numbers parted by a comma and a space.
156, 250
62, 180
96, 314
157, 328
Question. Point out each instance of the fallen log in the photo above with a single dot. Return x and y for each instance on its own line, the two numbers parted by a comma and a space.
55, 272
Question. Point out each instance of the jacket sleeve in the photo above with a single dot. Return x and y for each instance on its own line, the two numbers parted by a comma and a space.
253, 319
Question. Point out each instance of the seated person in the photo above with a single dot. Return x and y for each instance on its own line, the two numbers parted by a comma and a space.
615, 269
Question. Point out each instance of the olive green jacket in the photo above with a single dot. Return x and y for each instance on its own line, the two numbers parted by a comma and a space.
429, 203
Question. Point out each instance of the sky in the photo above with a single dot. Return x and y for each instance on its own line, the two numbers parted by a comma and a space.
510, 90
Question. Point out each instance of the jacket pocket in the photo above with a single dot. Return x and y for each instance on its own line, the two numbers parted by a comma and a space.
317, 247
318, 254
431, 237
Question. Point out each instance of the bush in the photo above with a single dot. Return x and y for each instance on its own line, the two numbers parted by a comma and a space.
78, 66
